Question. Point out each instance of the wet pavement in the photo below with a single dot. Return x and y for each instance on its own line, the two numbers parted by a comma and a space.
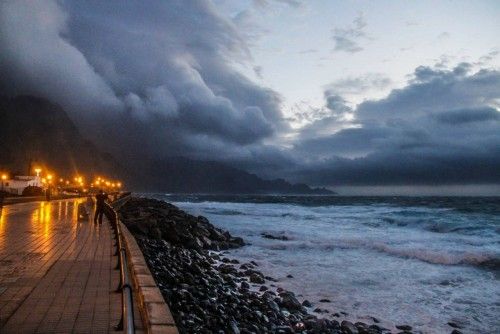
56, 272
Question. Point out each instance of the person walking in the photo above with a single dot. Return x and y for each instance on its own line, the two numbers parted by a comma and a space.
100, 204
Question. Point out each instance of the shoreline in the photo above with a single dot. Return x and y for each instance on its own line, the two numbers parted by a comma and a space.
208, 292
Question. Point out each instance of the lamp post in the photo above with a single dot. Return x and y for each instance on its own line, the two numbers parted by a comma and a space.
37, 172
4, 177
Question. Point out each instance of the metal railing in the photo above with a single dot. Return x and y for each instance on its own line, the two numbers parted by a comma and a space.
126, 323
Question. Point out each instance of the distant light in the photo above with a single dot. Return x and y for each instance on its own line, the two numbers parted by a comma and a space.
37, 171
4, 177
49, 177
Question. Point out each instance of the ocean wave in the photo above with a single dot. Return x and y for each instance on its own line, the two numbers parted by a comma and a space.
484, 259
440, 257
440, 225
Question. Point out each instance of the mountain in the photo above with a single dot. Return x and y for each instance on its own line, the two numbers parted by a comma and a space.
182, 175
34, 129
38, 131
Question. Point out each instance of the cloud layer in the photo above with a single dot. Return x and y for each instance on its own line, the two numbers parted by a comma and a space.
161, 80
443, 127
167, 67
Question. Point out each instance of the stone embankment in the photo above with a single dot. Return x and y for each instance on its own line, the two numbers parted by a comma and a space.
210, 293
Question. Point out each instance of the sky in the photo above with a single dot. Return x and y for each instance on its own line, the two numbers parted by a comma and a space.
362, 96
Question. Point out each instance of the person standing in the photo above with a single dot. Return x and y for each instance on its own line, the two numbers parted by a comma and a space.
100, 204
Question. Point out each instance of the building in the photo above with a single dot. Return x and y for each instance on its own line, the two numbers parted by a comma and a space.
19, 183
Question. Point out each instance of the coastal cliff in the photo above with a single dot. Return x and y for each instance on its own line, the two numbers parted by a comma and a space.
210, 293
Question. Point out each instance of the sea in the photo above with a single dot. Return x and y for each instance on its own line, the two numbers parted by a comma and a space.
420, 261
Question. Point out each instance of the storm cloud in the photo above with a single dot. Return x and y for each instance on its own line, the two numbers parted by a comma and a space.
162, 80
443, 127
168, 67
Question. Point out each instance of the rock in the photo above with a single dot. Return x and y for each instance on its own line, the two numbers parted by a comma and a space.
456, 331
263, 288
454, 325
348, 327
374, 328
320, 310
155, 233
274, 237
284, 330
306, 303
289, 276
289, 301
273, 305
325, 301
404, 327
258, 279
227, 269
236, 242
233, 327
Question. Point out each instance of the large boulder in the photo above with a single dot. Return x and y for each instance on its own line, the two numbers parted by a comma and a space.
289, 301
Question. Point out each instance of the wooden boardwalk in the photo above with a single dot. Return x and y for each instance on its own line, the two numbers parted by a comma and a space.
56, 273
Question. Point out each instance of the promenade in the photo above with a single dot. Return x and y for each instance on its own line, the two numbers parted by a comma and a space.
56, 272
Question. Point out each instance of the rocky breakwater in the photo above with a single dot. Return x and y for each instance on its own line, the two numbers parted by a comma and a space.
210, 293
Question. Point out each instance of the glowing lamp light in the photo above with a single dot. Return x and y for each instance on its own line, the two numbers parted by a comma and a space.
4, 177
38, 171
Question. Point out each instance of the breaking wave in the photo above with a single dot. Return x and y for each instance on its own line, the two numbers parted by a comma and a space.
480, 259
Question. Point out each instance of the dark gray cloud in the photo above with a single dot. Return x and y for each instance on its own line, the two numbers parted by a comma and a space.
348, 39
442, 128
461, 116
164, 66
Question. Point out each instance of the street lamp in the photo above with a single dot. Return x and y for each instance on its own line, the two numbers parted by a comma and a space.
37, 171
4, 177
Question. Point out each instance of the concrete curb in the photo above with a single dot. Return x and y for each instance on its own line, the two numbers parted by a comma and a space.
154, 310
